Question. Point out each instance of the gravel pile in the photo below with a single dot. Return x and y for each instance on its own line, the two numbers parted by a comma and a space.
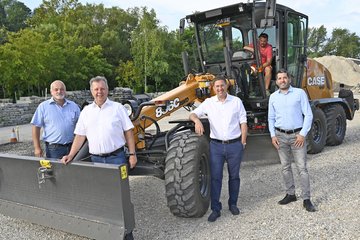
335, 183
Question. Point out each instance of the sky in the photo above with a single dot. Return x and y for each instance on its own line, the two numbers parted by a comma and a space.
330, 13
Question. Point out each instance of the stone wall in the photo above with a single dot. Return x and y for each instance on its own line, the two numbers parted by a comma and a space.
12, 114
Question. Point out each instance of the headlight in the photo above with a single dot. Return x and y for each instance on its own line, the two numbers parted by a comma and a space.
129, 108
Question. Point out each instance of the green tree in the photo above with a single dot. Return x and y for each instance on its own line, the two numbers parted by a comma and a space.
316, 41
13, 15
129, 76
152, 50
89, 25
343, 43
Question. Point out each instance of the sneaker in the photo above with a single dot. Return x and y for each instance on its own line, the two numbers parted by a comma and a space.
213, 216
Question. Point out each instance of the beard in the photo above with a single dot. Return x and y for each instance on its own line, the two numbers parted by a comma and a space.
59, 96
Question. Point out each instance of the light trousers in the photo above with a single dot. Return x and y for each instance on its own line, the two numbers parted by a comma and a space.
287, 152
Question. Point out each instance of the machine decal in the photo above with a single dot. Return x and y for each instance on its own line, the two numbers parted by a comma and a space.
45, 163
172, 105
123, 172
316, 81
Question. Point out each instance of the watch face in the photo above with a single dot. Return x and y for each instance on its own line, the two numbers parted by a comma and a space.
128, 108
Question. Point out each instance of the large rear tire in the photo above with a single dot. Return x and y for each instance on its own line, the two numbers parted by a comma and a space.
336, 124
187, 175
316, 138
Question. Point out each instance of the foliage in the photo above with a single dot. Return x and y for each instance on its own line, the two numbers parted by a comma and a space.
152, 48
13, 15
129, 76
316, 41
343, 43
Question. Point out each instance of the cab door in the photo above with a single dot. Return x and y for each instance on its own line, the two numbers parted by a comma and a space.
295, 50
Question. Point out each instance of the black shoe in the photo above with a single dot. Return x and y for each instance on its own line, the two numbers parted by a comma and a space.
213, 216
309, 206
287, 199
234, 210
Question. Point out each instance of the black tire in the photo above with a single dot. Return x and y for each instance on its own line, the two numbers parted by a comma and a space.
316, 138
336, 124
187, 175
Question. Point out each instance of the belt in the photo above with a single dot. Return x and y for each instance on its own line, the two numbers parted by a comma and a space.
289, 131
58, 144
110, 154
226, 141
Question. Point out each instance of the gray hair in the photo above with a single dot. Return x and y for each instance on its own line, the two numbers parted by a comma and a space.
99, 79
57, 81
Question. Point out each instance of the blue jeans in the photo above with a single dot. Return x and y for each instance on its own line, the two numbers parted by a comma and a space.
286, 152
117, 158
56, 150
232, 154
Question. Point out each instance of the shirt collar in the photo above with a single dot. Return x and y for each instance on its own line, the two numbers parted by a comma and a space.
290, 90
226, 99
107, 102
52, 101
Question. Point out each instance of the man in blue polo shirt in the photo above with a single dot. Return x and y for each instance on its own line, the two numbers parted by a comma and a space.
57, 116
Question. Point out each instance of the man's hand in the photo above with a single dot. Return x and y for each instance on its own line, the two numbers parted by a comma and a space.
38, 152
199, 128
132, 161
275, 142
66, 159
299, 142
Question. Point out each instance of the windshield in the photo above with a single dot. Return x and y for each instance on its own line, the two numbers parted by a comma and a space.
227, 32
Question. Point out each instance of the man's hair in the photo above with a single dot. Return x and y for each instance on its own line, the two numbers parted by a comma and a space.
99, 79
219, 77
57, 81
282, 70
264, 35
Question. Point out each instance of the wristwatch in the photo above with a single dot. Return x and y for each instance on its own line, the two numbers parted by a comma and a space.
132, 154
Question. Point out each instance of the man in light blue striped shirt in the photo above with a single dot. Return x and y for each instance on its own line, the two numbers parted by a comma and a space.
57, 116
290, 119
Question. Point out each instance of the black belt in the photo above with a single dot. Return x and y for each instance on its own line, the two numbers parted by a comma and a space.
225, 141
289, 131
110, 154
58, 144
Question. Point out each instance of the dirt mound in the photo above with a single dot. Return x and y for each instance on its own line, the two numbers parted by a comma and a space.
343, 70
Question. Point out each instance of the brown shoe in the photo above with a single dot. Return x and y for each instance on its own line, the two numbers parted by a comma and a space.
287, 199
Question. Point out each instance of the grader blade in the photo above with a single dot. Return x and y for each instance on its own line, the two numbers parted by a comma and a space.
83, 198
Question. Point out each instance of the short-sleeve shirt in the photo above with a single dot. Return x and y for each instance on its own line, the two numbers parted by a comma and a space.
58, 122
224, 117
104, 126
265, 53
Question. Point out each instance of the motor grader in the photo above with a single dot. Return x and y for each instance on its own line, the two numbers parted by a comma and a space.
179, 155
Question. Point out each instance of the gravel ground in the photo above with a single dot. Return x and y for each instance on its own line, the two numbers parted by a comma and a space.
335, 184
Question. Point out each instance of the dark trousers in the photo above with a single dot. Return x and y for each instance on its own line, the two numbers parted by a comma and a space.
56, 150
232, 154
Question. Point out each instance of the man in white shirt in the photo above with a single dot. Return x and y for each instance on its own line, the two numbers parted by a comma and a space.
228, 133
106, 126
